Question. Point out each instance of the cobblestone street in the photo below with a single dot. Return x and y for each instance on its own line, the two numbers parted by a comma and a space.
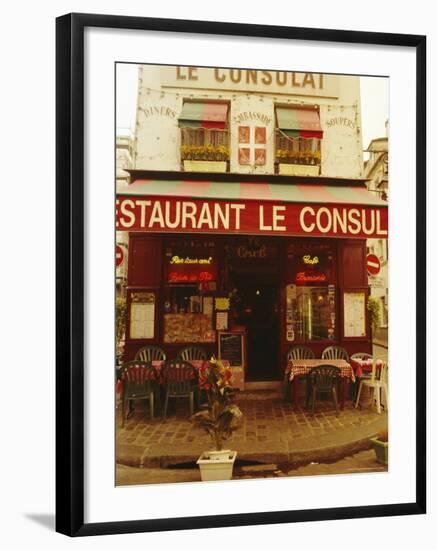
271, 431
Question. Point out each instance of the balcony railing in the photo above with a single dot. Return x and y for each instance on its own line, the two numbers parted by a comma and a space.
298, 150
204, 136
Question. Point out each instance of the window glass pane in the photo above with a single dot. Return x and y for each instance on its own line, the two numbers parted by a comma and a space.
311, 293
310, 313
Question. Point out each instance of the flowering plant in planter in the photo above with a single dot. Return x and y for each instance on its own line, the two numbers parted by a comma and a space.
297, 157
204, 152
219, 419
287, 156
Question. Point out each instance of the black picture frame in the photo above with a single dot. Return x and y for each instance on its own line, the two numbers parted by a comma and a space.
70, 273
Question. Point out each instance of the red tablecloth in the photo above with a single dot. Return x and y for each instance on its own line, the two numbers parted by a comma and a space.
199, 364
361, 366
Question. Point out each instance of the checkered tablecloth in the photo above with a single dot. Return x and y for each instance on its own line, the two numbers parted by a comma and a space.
301, 367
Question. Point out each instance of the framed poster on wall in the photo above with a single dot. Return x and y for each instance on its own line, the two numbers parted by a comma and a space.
355, 314
231, 140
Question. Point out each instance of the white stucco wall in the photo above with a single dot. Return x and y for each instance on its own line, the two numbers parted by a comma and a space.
160, 100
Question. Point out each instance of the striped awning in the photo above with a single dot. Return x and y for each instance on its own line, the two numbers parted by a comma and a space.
299, 122
203, 115
292, 193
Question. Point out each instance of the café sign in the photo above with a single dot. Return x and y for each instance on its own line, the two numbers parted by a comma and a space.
164, 214
187, 269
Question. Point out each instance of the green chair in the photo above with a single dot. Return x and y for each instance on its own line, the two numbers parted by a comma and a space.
295, 352
323, 380
151, 353
140, 382
192, 353
180, 380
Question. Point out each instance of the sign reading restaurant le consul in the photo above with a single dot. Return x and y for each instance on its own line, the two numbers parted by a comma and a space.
170, 214
247, 80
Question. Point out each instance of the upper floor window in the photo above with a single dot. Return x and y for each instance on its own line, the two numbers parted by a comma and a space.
298, 139
204, 134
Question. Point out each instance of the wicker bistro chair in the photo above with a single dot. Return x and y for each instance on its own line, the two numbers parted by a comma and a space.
323, 380
151, 353
192, 353
295, 352
180, 380
140, 381
335, 352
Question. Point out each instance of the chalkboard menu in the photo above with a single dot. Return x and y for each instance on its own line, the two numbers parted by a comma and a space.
231, 348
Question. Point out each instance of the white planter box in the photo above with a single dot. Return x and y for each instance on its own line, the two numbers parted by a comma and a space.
205, 165
299, 169
216, 466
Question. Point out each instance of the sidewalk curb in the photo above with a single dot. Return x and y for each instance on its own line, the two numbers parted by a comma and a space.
320, 449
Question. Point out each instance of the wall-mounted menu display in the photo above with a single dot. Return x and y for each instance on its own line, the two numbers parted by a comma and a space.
231, 348
354, 307
142, 315
188, 328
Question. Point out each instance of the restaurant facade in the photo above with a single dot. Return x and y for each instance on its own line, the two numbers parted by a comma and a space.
247, 216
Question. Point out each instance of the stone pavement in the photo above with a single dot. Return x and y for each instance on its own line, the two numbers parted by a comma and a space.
361, 462
271, 431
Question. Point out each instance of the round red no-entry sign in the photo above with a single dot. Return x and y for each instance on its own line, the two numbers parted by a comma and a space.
119, 255
373, 264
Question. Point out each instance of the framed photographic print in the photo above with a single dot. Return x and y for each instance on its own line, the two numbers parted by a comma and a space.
240, 274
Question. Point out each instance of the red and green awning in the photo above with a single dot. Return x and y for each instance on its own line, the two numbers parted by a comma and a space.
299, 122
301, 193
204, 115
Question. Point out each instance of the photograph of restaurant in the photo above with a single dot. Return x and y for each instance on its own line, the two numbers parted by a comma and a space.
245, 230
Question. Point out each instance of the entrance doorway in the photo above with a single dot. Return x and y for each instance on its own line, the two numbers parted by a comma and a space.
259, 313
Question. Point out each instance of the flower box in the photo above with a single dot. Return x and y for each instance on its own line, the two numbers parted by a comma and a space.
205, 165
381, 450
299, 169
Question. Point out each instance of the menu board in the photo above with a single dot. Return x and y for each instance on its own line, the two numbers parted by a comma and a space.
188, 328
231, 348
354, 314
142, 315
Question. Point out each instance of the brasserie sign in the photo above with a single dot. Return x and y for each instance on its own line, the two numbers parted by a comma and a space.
163, 214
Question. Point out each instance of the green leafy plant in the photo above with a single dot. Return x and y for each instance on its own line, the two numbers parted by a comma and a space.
220, 418
120, 324
374, 312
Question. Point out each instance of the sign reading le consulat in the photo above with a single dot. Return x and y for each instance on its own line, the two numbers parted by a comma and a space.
251, 217
247, 80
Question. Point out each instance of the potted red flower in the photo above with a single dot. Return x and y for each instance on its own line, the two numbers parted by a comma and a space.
219, 420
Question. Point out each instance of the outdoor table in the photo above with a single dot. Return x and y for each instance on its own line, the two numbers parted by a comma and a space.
199, 364
364, 366
298, 368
